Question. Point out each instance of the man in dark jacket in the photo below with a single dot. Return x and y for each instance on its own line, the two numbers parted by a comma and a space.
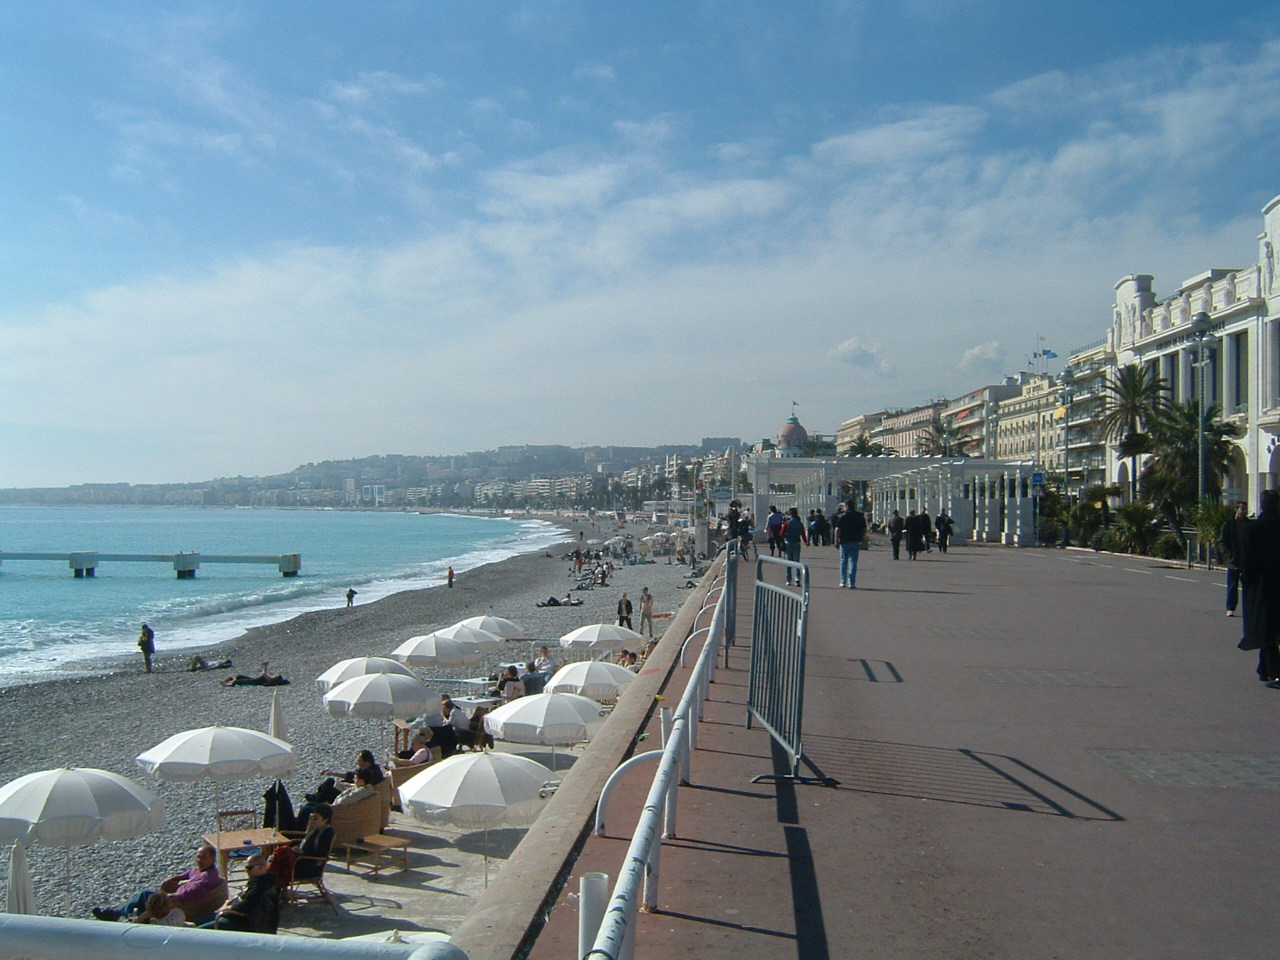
851, 530
1260, 574
1232, 537
257, 909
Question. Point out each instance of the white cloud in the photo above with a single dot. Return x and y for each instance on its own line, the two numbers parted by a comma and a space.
987, 359
856, 354
931, 132
594, 71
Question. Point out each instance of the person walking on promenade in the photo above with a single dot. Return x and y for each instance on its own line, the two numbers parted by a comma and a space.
734, 519
147, 644
773, 529
896, 526
792, 535
926, 532
945, 527
851, 531
646, 610
1232, 538
747, 537
351, 597
1260, 574
624, 612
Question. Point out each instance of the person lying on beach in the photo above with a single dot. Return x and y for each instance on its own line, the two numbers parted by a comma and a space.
182, 887
200, 664
568, 601
264, 679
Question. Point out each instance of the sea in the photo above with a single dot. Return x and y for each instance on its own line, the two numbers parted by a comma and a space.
52, 624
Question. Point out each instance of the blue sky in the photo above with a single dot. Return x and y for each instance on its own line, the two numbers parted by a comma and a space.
237, 237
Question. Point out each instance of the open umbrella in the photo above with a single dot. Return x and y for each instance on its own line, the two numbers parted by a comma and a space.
469, 634
19, 896
385, 696
74, 807
550, 719
357, 667
479, 790
590, 678
601, 636
498, 626
435, 650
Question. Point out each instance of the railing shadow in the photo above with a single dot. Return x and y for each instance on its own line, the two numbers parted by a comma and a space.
948, 775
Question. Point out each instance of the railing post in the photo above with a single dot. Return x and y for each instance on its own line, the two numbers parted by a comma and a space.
593, 897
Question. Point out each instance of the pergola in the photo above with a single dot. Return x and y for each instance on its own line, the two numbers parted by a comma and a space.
990, 500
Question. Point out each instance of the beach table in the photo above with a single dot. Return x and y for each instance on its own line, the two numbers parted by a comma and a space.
470, 703
264, 838
375, 847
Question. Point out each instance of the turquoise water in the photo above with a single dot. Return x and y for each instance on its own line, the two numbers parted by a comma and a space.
49, 621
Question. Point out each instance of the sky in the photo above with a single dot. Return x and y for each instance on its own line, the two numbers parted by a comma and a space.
238, 237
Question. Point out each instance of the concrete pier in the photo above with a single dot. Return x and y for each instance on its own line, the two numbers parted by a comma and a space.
85, 563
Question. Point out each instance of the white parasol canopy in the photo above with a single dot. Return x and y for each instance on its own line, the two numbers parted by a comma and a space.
601, 636
435, 650
385, 696
469, 634
218, 753
498, 626
72, 807
590, 678
358, 667
545, 718
479, 790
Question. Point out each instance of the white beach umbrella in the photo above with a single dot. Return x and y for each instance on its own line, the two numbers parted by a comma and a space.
498, 626
468, 634
218, 753
550, 719
590, 678
479, 790
435, 650
357, 667
19, 896
74, 807
601, 636
381, 696
275, 723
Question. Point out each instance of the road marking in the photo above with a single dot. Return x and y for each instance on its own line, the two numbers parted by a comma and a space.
1135, 570
1183, 579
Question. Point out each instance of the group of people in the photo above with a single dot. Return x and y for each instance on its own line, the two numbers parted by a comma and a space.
920, 531
181, 899
626, 608
513, 684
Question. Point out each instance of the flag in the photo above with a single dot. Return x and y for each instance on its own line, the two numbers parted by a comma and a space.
1049, 355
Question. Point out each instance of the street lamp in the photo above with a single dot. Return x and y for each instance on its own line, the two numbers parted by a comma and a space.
1066, 395
1203, 339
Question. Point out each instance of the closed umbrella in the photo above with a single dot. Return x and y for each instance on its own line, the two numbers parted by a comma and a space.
435, 650
479, 790
498, 626
74, 807
594, 679
19, 897
601, 636
550, 719
357, 667
275, 723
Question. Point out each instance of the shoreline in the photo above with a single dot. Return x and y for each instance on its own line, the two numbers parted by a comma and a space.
106, 719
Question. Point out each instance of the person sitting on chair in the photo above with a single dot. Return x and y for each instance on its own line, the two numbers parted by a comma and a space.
162, 910
316, 843
257, 909
183, 887
419, 752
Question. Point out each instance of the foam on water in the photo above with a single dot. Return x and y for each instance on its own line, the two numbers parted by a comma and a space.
51, 623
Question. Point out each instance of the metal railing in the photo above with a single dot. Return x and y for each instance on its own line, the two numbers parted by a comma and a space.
775, 688
637, 883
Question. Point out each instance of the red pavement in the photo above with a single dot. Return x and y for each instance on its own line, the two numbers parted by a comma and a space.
1041, 754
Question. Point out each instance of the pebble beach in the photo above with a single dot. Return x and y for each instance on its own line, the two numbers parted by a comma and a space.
107, 719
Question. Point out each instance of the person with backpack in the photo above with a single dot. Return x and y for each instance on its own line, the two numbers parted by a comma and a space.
773, 530
792, 535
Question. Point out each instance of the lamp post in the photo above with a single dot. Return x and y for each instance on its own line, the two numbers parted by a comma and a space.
1202, 338
1066, 395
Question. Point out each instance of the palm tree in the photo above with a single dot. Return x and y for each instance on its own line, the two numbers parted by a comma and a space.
864, 446
1135, 397
1172, 474
1100, 496
943, 440
1137, 526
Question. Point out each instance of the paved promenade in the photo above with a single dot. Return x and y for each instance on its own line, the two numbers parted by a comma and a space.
1041, 754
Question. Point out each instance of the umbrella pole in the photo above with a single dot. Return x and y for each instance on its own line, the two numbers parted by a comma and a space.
486, 857
66, 908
